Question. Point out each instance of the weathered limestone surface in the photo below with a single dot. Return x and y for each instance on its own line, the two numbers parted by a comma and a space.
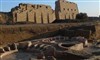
87, 31
44, 13
77, 47
33, 13
4, 17
66, 10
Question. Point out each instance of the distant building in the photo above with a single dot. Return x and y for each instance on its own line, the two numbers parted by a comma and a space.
44, 13
66, 10
33, 13
4, 17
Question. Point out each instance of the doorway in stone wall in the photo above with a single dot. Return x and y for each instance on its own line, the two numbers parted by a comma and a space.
73, 16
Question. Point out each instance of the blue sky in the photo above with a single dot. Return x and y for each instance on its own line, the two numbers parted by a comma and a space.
91, 7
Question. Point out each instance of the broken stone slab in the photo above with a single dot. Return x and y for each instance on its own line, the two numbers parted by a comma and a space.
2, 50
13, 46
6, 48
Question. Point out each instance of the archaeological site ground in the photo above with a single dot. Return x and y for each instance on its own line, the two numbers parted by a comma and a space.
39, 32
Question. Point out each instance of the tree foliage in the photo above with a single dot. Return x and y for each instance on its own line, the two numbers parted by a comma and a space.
82, 16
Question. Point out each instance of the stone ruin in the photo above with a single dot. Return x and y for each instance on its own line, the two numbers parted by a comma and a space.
46, 50
90, 32
43, 13
66, 10
33, 13
5, 17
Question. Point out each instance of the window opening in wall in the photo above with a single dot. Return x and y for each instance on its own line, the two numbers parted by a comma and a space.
68, 9
33, 6
71, 9
75, 10
46, 7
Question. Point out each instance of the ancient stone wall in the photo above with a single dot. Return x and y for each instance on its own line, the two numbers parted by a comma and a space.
33, 13
44, 13
65, 9
97, 33
89, 32
3, 17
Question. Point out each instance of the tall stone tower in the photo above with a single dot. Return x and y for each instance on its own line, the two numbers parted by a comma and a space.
65, 9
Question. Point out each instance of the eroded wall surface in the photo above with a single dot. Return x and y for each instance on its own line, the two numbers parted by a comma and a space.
33, 13
66, 10
44, 13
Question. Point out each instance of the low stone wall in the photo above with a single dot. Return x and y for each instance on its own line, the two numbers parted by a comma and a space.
7, 53
76, 47
8, 49
38, 45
